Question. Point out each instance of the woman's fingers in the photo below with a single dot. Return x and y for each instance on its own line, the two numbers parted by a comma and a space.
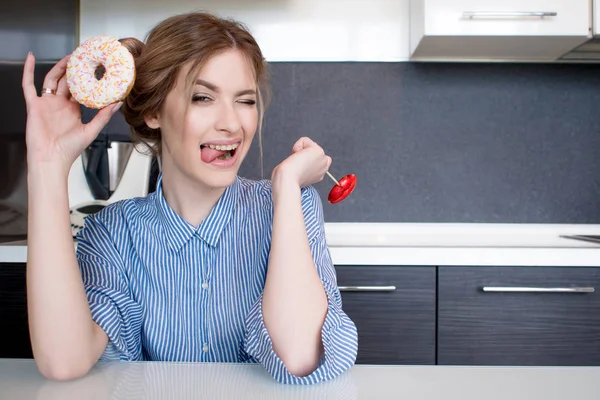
303, 143
92, 129
55, 74
29, 90
62, 89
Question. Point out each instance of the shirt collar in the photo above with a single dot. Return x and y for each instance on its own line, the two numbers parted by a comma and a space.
178, 231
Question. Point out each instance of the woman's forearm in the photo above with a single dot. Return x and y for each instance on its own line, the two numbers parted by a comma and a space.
65, 341
294, 301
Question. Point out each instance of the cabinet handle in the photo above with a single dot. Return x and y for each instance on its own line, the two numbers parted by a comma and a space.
539, 289
367, 288
508, 14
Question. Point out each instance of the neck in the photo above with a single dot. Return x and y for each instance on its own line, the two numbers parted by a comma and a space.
190, 199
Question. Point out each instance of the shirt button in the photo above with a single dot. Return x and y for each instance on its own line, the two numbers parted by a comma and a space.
205, 348
205, 285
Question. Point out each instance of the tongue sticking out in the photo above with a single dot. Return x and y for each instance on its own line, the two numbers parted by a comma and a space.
209, 155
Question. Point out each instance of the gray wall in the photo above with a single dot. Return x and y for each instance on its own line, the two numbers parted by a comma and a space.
445, 142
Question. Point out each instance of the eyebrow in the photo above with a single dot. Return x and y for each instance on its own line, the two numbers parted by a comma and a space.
216, 89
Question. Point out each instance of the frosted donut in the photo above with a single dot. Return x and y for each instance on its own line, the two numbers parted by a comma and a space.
118, 77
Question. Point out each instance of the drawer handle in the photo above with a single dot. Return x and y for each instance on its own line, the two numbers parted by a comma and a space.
508, 14
367, 288
539, 289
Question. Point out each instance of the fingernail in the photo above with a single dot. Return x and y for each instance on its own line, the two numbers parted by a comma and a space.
117, 107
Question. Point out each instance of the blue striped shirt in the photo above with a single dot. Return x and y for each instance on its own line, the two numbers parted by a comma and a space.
165, 290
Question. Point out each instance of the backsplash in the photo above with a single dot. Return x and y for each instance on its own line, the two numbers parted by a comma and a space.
445, 142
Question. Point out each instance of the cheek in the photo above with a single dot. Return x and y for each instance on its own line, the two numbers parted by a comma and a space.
249, 120
172, 127
196, 125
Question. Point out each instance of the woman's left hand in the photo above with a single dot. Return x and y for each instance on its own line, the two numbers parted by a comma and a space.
307, 165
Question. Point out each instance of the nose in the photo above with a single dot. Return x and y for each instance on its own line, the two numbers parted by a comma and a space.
228, 120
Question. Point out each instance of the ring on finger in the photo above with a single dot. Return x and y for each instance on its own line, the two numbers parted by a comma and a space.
48, 91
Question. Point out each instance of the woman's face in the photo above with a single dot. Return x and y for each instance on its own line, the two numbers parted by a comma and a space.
208, 144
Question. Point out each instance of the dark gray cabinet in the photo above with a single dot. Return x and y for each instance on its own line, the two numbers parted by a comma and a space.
13, 312
395, 326
525, 316
47, 28
423, 315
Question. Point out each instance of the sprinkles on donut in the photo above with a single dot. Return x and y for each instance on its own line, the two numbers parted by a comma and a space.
119, 72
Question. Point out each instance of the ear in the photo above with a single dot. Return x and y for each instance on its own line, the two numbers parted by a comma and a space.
152, 121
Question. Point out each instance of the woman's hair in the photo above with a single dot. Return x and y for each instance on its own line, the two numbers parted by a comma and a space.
180, 40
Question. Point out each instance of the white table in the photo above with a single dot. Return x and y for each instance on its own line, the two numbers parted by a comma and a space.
20, 380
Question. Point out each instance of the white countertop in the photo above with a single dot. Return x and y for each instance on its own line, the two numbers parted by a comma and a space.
442, 244
20, 380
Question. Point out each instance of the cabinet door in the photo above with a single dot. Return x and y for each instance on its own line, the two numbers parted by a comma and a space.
491, 30
518, 316
507, 17
13, 312
393, 308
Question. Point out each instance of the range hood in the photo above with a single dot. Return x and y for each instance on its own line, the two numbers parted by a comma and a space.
590, 50
587, 52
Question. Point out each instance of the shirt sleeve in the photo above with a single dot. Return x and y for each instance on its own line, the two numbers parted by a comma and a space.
339, 334
107, 289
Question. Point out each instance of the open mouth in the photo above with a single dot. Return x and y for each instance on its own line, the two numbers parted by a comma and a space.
212, 152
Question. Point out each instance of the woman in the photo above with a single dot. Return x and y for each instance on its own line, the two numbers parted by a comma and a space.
211, 267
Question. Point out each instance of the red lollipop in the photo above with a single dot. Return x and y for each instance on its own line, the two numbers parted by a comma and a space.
342, 189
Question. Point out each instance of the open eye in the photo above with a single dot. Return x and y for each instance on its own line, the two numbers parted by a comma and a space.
200, 98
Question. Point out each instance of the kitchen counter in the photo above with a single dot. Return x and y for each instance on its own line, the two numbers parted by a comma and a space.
19, 379
442, 244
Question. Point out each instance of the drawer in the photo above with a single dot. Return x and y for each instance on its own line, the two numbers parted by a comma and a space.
525, 316
395, 325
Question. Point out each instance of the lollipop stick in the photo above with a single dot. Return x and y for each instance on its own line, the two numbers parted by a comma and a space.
335, 180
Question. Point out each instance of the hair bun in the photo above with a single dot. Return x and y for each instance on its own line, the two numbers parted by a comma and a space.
135, 46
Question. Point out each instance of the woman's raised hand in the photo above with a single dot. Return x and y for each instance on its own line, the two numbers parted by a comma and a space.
54, 132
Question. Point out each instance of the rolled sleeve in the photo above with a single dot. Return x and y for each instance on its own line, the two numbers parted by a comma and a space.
108, 294
338, 334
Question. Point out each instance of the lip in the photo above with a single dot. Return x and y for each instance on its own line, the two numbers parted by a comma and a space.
223, 142
224, 164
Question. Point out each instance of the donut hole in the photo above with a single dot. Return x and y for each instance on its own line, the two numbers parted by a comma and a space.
99, 72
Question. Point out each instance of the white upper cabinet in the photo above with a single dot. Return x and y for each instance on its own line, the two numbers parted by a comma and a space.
526, 30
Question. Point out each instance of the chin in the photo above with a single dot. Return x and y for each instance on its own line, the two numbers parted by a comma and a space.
214, 178
219, 179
